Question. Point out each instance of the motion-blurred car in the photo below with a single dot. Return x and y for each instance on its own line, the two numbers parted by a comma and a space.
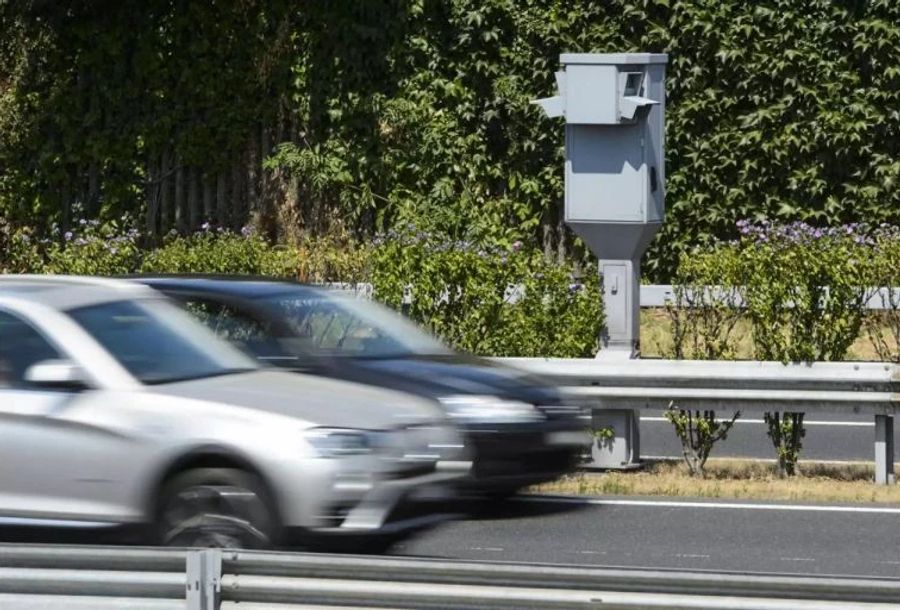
116, 407
519, 428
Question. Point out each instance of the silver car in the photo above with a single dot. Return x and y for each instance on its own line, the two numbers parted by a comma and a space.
118, 408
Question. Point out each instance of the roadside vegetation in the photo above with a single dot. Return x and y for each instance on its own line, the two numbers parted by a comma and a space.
363, 116
734, 480
780, 292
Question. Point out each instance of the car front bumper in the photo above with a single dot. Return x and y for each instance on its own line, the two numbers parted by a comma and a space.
510, 457
355, 497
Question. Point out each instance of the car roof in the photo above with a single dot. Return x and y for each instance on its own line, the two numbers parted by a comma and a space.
241, 286
66, 292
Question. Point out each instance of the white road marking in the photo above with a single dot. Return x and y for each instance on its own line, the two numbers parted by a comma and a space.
691, 556
492, 549
678, 458
857, 424
876, 510
796, 559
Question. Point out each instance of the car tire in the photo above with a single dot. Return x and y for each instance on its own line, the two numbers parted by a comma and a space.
218, 508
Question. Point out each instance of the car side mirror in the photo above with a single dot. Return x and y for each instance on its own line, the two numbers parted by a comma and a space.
60, 374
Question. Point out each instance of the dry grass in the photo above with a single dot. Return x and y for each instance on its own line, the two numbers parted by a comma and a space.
656, 338
734, 479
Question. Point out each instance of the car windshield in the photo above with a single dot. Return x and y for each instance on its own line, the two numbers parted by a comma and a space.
325, 324
157, 342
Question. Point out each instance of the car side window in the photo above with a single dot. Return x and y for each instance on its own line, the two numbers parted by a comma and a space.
248, 333
332, 330
21, 346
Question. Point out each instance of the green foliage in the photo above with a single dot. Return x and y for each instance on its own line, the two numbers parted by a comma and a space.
806, 300
786, 432
883, 328
803, 289
706, 306
606, 433
489, 301
384, 112
223, 252
89, 90
94, 249
19, 251
698, 434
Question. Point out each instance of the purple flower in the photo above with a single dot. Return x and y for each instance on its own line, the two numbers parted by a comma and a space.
68, 235
246, 230
516, 246
205, 226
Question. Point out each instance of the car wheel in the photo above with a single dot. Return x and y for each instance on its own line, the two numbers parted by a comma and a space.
216, 507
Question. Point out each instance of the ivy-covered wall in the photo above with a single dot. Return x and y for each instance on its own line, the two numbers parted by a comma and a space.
304, 116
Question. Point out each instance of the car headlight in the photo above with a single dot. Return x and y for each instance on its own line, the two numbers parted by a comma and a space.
474, 408
339, 442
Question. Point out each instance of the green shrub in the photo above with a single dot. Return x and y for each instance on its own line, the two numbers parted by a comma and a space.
491, 301
883, 328
805, 289
706, 306
92, 248
223, 252
19, 250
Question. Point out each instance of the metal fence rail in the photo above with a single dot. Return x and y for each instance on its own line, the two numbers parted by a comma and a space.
649, 384
653, 296
41, 576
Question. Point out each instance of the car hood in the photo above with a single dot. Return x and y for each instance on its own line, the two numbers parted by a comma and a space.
457, 374
318, 400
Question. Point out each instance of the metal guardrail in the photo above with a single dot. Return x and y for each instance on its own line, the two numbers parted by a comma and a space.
656, 296
653, 296
641, 384
43, 576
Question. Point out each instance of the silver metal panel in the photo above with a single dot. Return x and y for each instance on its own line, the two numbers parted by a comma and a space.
614, 58
15, 601
606, 177
884, 449
654, 143
590, 94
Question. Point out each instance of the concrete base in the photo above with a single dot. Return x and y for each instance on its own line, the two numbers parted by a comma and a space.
622, 452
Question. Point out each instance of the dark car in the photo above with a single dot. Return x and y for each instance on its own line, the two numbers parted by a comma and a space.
521, 431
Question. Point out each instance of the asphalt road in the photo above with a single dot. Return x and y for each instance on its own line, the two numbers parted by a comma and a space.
828, 437
686, 535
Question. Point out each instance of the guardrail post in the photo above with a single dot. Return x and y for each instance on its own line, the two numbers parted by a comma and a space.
622, 451
884, 449
204, 578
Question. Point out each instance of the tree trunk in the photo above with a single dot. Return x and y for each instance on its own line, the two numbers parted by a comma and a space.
181, 214
209, 197
254, 170
165, 199
237, 191
221, 203
193, 202
152, 196
91, 208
